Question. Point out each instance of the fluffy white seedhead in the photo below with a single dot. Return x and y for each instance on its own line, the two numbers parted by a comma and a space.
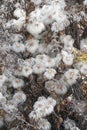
79, 106
10, 106
51, 101
50, 85
42, 58
18, 71
19, 13
19, 97
3, 90
68, 47
83, 45
10, 23
57, 26
51, 12
46, 14
13, 128
34, 15
30, 62
35, 28
45, 60
43, 124
38, 68
66, 38
82, 67
16, 24
1, 122
10, 118
67, 58
42, 107
16, 38
49, 73
32, 45
17, 83
56, 86
58, 59
53, 48
50, 2
42, 48
85, 2
34, 115
60, 88
68, 124
18, 47
19, 23
50, 62
2, 99
36, 2
61, 20
74, 128
70, 76
60, 3
68, 42
2, 80
26, 71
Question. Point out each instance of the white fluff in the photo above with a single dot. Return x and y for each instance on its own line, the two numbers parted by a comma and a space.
51, 11
19, 97
16, 38
68, 124
2, 80
67, 58
38, 68
17, 83
16, 24
18, 47
68, 42
56, 27
34, 15
50, 73
58, 60
34, 115
50, 85
46, 14
26, 71
30, 62
66, 38
42, 59
2, 98
82, 67
43, 124
10, 106
60, 88
42, 48
42, 107
32, 45
1, 122
85, 2
71, 76
36, 2
51, 101
45, 60
83, 45
19, 13
74, 128
50, 62
35, 28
